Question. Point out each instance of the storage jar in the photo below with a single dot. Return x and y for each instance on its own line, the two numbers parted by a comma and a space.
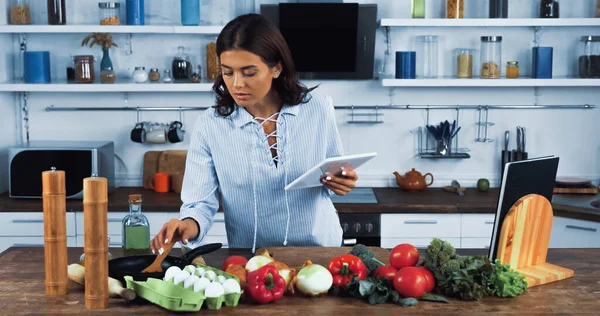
190, 12
154, 75
212, 63
498, 9
427, 56
589, 57
597, 8
455, 9
549, 9
20, 12
57, 13
140, 75
512, 69
491, 56
110, 13
464, 62
84, 69
167, 76
108, 75
181, 65
135, 12
418, 9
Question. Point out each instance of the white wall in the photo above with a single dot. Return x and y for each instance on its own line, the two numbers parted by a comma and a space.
570, 134
7, 113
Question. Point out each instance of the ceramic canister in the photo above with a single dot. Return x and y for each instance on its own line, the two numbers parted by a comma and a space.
36, 67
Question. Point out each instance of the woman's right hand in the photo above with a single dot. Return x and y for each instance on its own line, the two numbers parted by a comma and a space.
173, 231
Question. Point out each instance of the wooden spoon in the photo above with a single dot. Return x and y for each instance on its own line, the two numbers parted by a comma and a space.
156, 266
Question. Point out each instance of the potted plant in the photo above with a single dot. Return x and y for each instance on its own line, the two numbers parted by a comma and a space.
105, 41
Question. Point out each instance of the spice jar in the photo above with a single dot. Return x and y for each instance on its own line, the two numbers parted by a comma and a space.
167, 76
549, 9
212, 69
110, 13
154, 75
455, 9
182, 66
512, 69
589, 58
20, 12
136, 229
197, 76
491, 56
140, 75
84, 69
108, 75
464, 62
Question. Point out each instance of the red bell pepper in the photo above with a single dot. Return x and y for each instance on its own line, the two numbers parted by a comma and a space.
265, 284
344, 267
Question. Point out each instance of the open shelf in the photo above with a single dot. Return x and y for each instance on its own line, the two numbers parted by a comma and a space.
502, 82
490, 22
133, 29
432, 155
123, 85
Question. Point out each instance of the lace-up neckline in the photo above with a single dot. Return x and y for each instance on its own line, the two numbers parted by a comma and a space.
272, 148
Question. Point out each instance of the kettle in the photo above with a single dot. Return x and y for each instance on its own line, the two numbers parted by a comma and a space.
413, 180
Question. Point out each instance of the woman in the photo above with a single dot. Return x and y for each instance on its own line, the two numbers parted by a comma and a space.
265, 131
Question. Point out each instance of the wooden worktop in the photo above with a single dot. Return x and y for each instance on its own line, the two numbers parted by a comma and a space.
390, 200
22, 284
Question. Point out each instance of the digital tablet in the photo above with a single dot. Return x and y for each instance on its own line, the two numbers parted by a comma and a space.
533, 176
334, 165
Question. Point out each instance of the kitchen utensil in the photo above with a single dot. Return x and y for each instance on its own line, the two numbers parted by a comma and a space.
55, 232
159, 182
506, 154
572, 182
523, 149
172, 161
517, 153
413, 180
95, 248
156, 265
590, 189
118, 268
115, 288
453, 190
456, 185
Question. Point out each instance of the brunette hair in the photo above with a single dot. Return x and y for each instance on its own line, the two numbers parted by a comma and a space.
255, 34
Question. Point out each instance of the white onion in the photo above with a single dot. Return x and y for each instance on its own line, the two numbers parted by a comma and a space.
171, 272
201, 284
314, 279
257, 262
214, 289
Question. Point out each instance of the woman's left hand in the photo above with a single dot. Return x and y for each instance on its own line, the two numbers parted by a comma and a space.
342, 183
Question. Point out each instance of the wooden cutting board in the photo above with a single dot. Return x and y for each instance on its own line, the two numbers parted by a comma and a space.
295, 257
585, 190
172, 161
150, 166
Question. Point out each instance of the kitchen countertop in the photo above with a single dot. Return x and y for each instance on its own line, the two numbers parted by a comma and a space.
361, 200
23, 291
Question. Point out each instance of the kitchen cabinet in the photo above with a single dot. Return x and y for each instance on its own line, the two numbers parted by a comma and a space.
29, 241
420, 225
574, 233
26, 229
420, 243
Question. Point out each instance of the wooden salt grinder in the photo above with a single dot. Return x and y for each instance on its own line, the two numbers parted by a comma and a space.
55, 232
95, 203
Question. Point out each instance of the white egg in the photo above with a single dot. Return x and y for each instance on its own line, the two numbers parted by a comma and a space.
190, 281
171, 272
180, 277
190, 268
199, 271
221, 279
201, 284
214, 289
231, 286
210, 274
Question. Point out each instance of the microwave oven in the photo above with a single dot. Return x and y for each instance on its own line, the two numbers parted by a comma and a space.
78, 159
324, 47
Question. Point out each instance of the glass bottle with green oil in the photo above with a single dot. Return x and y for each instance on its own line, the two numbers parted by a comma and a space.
136, 229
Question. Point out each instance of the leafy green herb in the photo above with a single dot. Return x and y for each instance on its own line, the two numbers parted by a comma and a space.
506, 282
433, 298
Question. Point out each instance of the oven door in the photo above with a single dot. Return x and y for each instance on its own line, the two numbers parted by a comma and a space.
361, 229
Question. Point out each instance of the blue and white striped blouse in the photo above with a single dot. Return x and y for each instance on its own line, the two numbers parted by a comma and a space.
230, 156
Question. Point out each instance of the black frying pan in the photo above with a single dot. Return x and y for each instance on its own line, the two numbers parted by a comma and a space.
118, 268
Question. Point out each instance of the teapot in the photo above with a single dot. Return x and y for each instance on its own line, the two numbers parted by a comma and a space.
413, 180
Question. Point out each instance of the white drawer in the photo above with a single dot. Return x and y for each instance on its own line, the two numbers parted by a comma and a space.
420, 243
7, 242
574, 233
215, 239
115, 220
477, 225
30, 224
475, 243
420, 225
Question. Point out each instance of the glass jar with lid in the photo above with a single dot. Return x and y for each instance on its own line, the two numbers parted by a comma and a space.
427, 56
549, 9
491, 57
597, 9
212, 67
57, 12
20, 12
136, 229
110, 13
464, 62
182, 66
512, 69
84, 69
108, 75
418, 9
589, 57
455, 9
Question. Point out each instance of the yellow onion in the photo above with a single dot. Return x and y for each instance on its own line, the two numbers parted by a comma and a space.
284, 271
259, 261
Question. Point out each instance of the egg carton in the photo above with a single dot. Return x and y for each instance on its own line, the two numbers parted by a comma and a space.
176, 298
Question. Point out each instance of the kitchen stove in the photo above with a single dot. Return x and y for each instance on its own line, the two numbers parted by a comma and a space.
360, 228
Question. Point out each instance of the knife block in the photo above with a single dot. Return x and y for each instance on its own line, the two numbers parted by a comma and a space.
524, 240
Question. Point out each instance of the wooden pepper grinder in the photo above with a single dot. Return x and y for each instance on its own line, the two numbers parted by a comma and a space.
95, 203
55, 232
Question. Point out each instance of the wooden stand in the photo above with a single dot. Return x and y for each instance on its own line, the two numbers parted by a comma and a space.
524, 240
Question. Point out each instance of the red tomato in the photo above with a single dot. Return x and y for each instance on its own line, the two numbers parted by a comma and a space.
234, 260
410, 282
429, 278
404, 255
386, 272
